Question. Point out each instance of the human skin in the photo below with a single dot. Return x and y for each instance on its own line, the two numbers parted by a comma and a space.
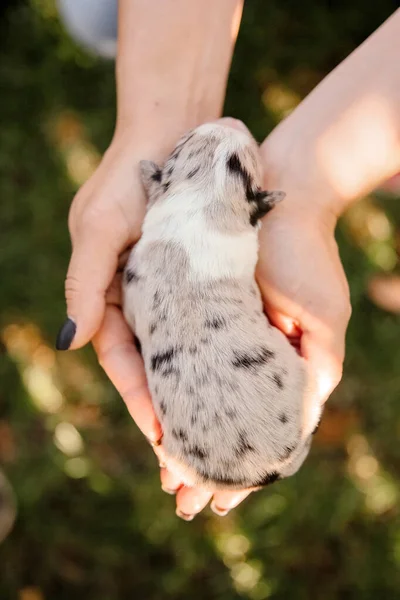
342, 141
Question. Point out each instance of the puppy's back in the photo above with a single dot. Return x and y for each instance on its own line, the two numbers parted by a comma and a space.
226, 386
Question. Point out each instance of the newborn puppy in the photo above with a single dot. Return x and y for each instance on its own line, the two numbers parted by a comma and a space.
227, 387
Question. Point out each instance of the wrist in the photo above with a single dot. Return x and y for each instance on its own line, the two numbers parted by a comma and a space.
156, 128
172, 66
294, 168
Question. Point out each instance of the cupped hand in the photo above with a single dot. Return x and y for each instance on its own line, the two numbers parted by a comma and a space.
105, 219
305, 290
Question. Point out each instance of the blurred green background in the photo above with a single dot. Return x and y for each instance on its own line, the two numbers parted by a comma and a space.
92, 522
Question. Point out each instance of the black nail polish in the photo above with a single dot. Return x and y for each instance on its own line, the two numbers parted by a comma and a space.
66, 335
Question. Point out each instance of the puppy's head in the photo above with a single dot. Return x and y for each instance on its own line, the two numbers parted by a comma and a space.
219, 165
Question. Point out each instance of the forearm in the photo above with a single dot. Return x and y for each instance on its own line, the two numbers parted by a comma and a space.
172, 65
343, 140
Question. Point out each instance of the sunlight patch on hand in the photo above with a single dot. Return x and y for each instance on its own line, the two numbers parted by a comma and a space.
359, 147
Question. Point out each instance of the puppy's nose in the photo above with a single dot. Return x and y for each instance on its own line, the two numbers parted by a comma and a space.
233, 123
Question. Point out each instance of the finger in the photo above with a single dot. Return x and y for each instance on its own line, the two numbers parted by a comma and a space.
114, 292
224, 501
190, 501
92, 266
123, 258
124, 366
286, 324
170, 483
324, 371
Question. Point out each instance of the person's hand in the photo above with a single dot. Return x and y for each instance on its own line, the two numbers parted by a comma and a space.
105, 219
301, 277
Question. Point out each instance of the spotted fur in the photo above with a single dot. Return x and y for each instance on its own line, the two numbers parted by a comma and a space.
228, 388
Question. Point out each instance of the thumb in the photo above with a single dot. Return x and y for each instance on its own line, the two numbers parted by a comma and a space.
324, 362
91, 269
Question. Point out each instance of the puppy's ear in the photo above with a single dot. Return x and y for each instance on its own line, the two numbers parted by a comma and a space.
269, 199
151, 176
263, 202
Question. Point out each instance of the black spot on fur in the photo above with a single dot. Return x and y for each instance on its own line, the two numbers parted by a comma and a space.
231, 413
163, 408
180, 434
283, 418
287, 451
243, 446
156, 300
193, 172
192, 350
137, 344
268, 479
170, 170
152, 328
198, 452
157, 175
166, 185
223, 479
235, 166
193, 420
190, 390
162, 359
171, 371
215, 323
156, 389
205, 340
131, 275
247, 361
278, 380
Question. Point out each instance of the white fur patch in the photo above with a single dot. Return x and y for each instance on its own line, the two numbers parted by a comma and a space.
212, 254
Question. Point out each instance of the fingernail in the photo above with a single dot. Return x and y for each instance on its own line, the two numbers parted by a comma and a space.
169, 491
66, 335
184, 516
222, 512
